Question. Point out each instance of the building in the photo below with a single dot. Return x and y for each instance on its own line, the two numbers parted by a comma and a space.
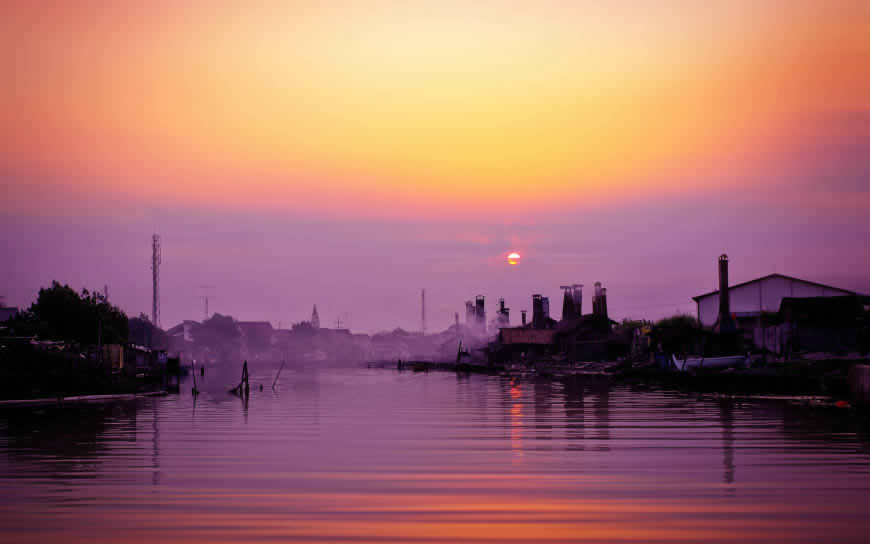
7, 313
824, 324
315, 318
752, 298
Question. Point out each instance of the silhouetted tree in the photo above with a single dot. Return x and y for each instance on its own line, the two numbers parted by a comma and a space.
220, 335
144, 333
60, 313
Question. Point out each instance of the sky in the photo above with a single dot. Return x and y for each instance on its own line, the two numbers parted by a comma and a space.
348, 154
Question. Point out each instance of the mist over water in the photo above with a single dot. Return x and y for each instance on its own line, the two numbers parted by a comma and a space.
365, 455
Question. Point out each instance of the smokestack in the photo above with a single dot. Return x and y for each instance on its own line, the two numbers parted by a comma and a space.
578, 299
523, 314
537, 310
596, 299
480, 312
725, 323
604, 301
568, 298
504, 316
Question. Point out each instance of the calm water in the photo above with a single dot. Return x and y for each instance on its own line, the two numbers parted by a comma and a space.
360, 455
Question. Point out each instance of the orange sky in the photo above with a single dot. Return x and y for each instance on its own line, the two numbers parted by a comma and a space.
425, 104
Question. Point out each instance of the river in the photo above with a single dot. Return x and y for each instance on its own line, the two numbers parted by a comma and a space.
374, 455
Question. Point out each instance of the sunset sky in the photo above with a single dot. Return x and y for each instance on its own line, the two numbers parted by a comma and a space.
350, 153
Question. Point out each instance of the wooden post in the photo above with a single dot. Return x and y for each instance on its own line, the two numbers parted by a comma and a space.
195, 391
278, 375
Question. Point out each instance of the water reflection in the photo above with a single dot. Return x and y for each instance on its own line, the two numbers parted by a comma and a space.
370, 455
726, 420
574, 412
601, 411
543, 397
60, 443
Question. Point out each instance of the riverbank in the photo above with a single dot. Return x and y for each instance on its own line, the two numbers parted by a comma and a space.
79, 399
805, 379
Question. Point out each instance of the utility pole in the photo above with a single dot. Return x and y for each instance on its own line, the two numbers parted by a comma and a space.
156, 259
423, 311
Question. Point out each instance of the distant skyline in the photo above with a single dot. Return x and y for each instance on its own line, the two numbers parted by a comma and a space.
349, 154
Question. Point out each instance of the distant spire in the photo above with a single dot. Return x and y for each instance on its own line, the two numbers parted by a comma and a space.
315, 319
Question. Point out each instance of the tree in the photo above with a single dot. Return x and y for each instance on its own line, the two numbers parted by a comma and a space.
62, 314
679, 334
144, 333
220, 335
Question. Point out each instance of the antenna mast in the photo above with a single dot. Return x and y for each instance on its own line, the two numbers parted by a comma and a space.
207, 294
423, 311
156, 259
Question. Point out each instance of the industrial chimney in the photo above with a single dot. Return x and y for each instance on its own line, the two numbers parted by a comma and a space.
725, 322
523, 314
537, 310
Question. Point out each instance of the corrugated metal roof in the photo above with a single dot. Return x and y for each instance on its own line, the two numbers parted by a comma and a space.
770, 276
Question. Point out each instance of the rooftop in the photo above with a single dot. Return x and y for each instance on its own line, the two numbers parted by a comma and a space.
771, 276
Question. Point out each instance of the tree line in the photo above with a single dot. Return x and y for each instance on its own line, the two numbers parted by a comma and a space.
87, 318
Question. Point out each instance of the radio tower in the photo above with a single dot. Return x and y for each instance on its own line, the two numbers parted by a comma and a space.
156, 259
423, 311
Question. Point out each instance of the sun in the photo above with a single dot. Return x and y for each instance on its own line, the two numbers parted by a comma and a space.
513, 258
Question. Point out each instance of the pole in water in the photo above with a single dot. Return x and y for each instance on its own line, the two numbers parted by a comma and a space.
278, 375
195, 391
244, 386
245, 378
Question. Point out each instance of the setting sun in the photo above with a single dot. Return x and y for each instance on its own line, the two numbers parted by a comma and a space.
513, 258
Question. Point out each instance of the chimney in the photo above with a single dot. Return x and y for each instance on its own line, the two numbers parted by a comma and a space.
596, 299
604, 301
537, 310
567, 302
578, 299
725, 323
523, 314
480, 312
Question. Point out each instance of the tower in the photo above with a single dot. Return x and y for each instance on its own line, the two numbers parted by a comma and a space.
206, 295
156, 259
423, 311
315, 319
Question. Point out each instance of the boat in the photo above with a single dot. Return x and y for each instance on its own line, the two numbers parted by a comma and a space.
735, 361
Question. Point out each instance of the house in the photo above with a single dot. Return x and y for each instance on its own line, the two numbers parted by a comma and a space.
7, 313
751, 299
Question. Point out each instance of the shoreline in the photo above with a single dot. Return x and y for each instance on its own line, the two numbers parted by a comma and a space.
788, 382
80, 399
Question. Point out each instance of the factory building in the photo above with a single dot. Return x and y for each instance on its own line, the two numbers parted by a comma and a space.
752, 298
770, 311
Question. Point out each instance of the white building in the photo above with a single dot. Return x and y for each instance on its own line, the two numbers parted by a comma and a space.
752, 298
